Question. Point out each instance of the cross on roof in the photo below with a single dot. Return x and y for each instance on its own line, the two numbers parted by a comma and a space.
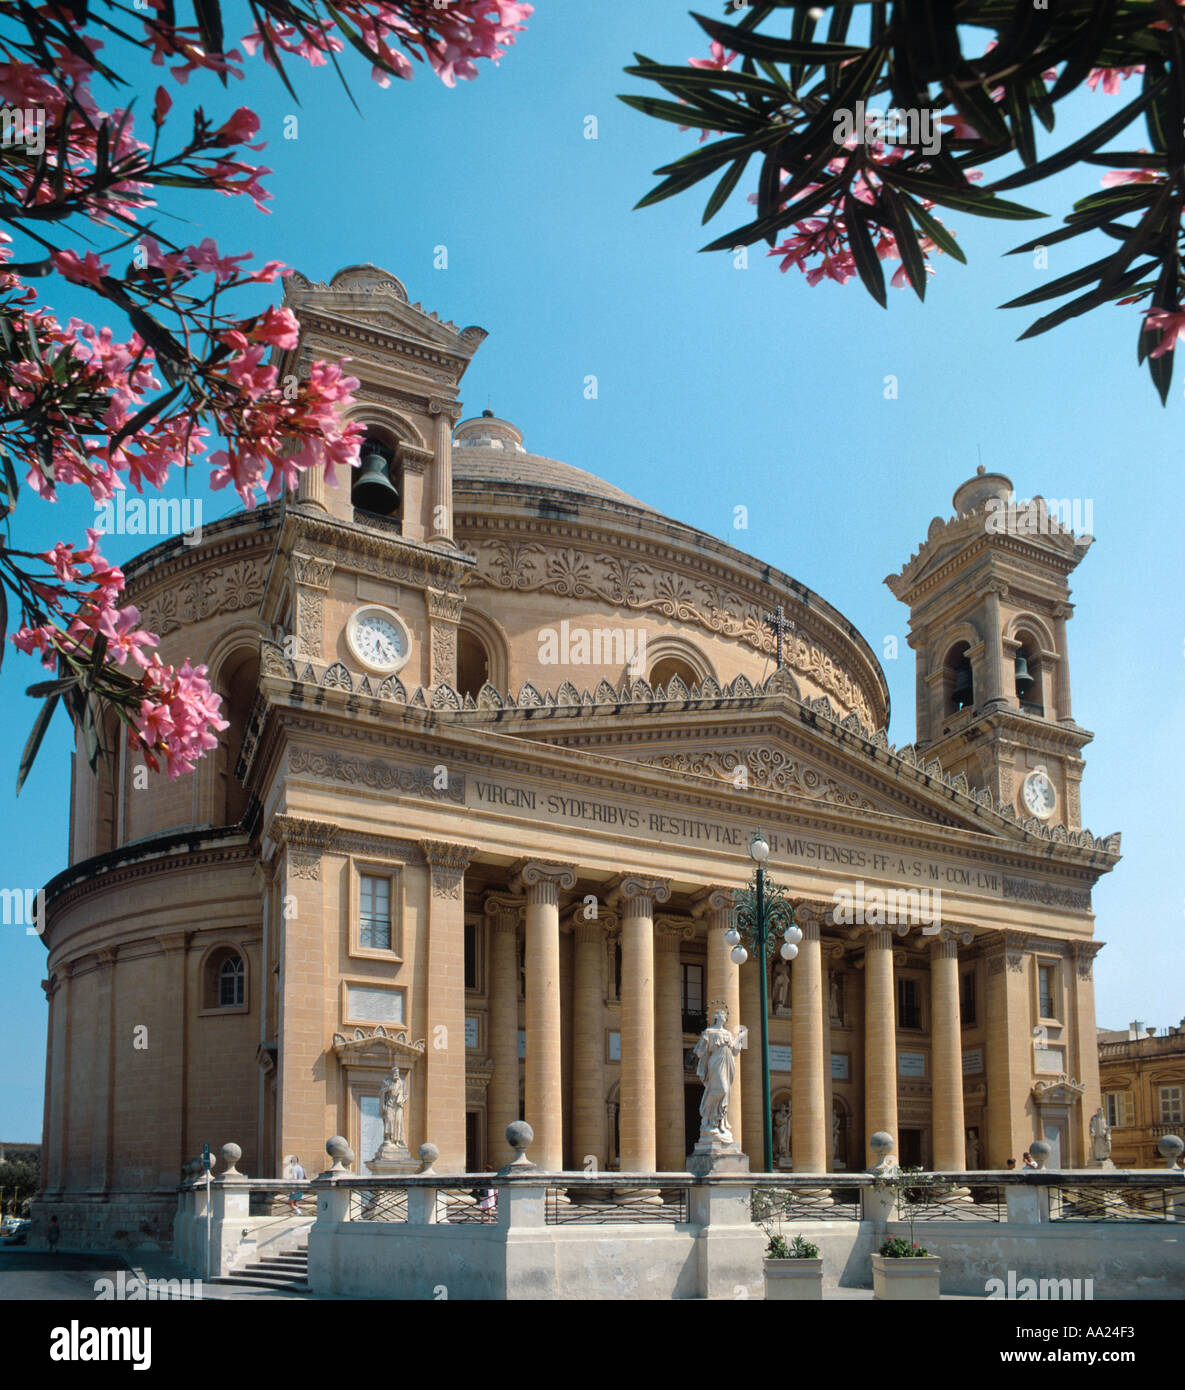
781, 625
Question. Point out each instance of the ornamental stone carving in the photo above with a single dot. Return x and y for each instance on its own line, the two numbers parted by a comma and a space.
447, 863
1031, 891
763, 767
376, 774
224, 589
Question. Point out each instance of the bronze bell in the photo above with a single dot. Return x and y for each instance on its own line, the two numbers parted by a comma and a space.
1023, 678
962, 691
373, 490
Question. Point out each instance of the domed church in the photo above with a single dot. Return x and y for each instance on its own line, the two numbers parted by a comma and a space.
500, 738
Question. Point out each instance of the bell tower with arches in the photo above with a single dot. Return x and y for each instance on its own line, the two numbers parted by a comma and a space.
988, 597
367, 574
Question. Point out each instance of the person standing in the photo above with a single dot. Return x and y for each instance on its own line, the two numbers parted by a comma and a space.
54, 1234
295, 1174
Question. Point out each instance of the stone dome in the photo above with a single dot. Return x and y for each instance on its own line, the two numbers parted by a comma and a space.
487, 450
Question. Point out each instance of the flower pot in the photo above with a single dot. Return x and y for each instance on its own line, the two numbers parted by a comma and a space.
904, 1278
794, 1279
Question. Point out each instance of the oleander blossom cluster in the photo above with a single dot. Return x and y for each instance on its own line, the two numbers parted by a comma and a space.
174, 715
188, 380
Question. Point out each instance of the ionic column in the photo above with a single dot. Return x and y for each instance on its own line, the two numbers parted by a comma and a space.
946, 1053
807, 1090
544, 1096
634, 898
670, 1130
880, 1038
444, 1079
724, 984
588, 1040
993, 638
504, 912
447, 413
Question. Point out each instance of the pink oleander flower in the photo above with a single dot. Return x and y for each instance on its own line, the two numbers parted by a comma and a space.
1171, 326
720, 60
1111, 78
86, 271
1121, 176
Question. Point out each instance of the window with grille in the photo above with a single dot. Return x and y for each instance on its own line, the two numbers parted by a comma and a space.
967, 997
909, 1004
1045, 983
230, 982
374, 904
1119, 1108
694, 1020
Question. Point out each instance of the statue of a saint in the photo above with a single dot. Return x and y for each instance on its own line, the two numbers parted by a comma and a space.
783, 1120
716, 1065
1100, 1137
837, 1143
392, 1099
835, 1001
972, 1150
781, 990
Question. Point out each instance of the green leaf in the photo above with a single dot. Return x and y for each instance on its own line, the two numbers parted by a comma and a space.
677, 183
907, 242
724, 188
756, 231
774, 50
1084, 303
1074, 280
863, 251
684, 115
941, 236
707, 78
1078, 149
965, 198
40, 724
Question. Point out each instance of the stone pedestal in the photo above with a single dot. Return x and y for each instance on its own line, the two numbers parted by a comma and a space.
392, 1159
712, 1158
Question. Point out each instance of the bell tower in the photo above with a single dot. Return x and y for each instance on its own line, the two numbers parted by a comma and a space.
988, 597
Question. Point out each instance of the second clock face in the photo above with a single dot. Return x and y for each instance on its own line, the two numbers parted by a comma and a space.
1038, 795
378, 639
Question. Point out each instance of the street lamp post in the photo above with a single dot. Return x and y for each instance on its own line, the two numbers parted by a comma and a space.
760, 910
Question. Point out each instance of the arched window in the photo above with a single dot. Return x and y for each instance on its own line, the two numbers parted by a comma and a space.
238, 683
224, 980
1028, 674
958, 684
230, 982
662, 672
473, 663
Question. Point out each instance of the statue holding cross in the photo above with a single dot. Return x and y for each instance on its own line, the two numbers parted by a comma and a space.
781, 625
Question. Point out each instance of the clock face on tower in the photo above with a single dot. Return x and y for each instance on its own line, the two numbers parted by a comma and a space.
1038, 795
378, 639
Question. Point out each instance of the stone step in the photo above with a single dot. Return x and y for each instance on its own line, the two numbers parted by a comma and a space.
261, 1281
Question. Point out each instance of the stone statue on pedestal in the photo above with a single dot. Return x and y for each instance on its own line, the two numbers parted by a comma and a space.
972, 1150
783, 1120
1100, 1137
716, 1054
781, 988
392, 1099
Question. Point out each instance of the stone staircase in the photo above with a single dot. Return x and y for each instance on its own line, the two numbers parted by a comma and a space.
288, 1270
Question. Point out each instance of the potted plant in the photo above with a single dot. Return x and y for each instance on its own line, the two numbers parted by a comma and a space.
903, 1270
793, 1269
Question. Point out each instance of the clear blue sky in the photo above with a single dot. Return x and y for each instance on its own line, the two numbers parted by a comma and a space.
717, 387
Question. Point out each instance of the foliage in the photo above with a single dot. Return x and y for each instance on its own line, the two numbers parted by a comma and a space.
19, 1181
898, 1248
80, 406
855, 185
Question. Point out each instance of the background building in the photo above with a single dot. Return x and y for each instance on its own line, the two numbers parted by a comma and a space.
499, 735
1142, 1075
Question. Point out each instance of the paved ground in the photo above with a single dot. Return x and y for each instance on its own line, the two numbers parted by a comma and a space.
35, 1275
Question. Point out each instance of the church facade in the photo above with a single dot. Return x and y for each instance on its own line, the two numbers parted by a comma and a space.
500, 736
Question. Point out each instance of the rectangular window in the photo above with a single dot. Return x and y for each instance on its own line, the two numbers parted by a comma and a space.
694, 1020
1119, 1108
967, 997
1170, 1105
1045, 1003
909, 1004
374, 912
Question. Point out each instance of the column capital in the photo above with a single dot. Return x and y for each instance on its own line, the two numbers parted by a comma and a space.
447, 863
947, 940
441, 405
598, 928
172, 941
670, 932
710, 901
542, 880
636, 894
504, 909
881, 938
